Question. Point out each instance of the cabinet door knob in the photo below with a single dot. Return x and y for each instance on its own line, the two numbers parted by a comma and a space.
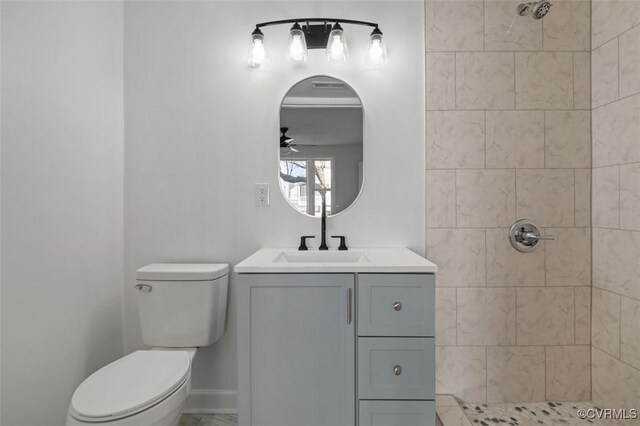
397, 370
397, 306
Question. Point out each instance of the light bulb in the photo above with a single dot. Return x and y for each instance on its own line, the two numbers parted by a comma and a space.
337, 45
377, 54
257, 51
297, 44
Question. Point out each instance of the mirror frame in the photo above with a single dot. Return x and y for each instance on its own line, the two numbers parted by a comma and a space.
364, 166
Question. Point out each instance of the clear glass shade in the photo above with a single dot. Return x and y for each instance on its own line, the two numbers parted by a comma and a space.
297, 46
257, 52
337, 46
377, 53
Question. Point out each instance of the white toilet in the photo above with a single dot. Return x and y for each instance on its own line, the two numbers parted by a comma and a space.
182, 307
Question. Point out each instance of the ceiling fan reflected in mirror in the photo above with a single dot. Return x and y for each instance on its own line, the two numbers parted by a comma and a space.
286, 142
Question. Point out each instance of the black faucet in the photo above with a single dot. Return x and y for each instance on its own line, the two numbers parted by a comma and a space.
323, 224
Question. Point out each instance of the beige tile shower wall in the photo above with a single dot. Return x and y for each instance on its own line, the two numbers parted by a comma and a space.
616, 203
509, 137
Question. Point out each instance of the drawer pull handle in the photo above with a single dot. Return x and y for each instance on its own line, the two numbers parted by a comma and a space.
348, 306
397, 370
397, 306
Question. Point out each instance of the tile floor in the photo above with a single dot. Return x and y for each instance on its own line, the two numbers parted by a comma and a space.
446, 406
209, 420
452, 412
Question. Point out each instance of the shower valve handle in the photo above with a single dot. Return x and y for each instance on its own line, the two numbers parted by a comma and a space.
525, 235
531, 236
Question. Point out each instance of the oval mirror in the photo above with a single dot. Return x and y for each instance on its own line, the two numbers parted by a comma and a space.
321, 146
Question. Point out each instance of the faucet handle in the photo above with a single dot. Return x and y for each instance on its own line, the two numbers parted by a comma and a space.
303, 242
343, 245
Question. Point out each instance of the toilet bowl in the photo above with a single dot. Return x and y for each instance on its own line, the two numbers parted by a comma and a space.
182, 307
146, 387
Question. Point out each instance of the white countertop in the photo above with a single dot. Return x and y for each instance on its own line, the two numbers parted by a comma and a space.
284, 260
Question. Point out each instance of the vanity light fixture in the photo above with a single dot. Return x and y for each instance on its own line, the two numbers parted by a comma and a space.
317, 33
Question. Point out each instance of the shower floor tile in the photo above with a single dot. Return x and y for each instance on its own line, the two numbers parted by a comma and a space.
534, 413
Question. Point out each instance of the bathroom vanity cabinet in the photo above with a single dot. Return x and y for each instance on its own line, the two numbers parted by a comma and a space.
336, 348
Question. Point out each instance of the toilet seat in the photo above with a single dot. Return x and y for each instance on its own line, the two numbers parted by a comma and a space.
130, 385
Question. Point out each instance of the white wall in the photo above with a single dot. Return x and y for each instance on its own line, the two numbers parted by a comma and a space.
201, 128
62, 196
0, 207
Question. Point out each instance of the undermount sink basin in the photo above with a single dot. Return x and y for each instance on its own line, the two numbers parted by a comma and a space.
322, 257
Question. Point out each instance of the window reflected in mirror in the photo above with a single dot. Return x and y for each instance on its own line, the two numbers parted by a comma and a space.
304, 190
321, 146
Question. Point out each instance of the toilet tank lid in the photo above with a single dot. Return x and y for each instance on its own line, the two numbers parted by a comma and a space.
182, 271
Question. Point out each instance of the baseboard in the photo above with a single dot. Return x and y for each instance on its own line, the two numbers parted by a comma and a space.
212, 401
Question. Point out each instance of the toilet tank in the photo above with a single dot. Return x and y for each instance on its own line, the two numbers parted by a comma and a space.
182, 304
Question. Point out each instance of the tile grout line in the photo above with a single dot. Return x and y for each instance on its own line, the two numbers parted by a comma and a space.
566, 52
485, 139
545, 373
616, 100
574, 316
575, 206
611, 39
557, 287
516, 312
544, 139
511, 109
484, 25
515, 190
573, 175
617, 359
515, 82
618, 63
486, 373
620, 330
455, 81
619, 196
613, 292
527, 168
486, 263
455, 185
456, 301
573, 77
568, 344
507, 227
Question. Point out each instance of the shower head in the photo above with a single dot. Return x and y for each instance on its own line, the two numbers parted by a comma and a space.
537, 10
541, 9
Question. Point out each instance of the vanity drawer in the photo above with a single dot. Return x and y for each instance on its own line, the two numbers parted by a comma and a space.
397, 413
396, 368
396, 305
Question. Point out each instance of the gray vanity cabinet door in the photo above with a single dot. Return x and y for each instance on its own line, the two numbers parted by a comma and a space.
396, 305
296, 350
